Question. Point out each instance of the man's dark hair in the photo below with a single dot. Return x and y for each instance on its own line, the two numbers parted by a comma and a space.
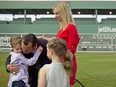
29, 38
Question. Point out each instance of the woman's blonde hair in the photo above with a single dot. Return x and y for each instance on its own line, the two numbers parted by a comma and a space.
63, 8
59, 47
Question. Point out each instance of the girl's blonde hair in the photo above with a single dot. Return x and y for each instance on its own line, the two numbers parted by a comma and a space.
65, 12
59, 47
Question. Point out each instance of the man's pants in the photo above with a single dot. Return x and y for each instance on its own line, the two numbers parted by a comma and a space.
33, 76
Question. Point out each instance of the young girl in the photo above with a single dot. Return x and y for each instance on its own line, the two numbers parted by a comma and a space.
57, 73
20, 79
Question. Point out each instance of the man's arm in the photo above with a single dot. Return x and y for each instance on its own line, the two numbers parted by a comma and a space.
10, 67
46, 38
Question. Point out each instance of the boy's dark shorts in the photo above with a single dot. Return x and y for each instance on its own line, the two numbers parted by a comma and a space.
19, 83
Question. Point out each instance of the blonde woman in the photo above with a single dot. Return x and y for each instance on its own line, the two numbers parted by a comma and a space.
67, 31
57, 73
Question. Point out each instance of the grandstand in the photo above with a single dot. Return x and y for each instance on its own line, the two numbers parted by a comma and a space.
95, 21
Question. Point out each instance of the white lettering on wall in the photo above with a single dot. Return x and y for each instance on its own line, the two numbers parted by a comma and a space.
4, 41
106, 29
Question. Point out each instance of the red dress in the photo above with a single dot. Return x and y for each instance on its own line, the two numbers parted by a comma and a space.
70, 35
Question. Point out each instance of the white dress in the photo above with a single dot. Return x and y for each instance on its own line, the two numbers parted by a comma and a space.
19, 60
56, 75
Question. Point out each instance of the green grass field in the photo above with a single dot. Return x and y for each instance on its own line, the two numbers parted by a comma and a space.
94, 69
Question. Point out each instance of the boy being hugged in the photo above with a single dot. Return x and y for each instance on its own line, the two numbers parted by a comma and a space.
20, 79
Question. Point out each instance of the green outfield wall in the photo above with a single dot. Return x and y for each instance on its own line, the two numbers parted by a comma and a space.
51, 26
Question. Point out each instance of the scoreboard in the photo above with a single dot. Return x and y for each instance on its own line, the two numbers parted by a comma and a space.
97, 42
